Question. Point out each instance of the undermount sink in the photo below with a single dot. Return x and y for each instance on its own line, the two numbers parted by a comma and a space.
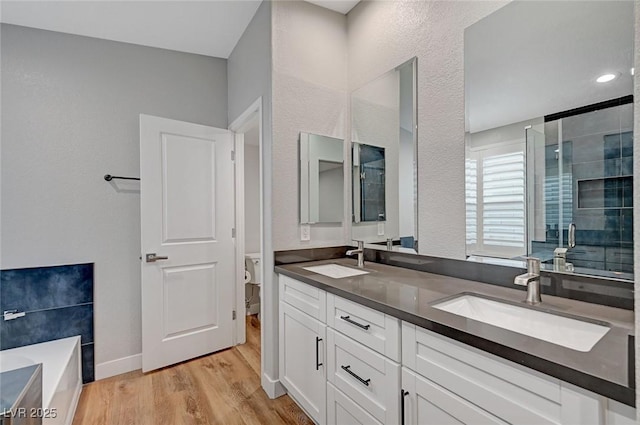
575, 333
335, 271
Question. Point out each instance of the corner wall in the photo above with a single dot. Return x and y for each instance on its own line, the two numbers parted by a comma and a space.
249, 71
309, 95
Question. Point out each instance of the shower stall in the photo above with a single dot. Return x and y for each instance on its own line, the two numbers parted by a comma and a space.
580, 188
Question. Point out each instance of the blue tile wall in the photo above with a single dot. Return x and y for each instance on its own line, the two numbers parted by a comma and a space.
58, 302
600, 166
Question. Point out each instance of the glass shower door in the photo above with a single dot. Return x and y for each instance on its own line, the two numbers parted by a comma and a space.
588, 194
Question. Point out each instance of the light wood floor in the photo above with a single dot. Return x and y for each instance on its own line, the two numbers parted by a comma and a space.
221, 388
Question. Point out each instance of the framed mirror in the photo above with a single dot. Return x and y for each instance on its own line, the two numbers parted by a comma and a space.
549, 135
321, 179
384, 166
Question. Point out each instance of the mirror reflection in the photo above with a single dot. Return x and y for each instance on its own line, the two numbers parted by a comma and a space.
321, 179
368, 183
549, 135
384, 170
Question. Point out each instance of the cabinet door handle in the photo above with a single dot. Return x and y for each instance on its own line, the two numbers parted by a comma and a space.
318, 364
403, 394
348, 370
353, 322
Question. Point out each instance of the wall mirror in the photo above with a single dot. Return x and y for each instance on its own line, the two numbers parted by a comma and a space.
368, 183
321, 179
549, 135
383, 161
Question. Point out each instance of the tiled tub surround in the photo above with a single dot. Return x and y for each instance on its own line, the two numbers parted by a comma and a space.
408, 295
58, 302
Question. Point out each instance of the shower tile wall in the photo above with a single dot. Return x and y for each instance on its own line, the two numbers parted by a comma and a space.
58, 302
598, 188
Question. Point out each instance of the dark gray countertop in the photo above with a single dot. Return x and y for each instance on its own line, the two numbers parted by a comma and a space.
408, 295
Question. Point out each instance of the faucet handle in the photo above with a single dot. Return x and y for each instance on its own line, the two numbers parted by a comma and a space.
360, 244
533, 265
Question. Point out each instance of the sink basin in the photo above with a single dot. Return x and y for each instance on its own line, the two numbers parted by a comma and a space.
335, 271
575, 333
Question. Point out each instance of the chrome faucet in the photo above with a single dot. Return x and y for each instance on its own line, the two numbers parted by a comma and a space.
531, 279
360, 252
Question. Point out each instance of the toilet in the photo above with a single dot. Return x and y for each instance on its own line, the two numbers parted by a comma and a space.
253, 281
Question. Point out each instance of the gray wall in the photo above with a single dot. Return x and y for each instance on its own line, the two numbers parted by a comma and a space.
249, 71
70, 109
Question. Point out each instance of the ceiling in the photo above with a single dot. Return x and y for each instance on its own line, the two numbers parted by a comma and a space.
342, 6
531, 59
211, 27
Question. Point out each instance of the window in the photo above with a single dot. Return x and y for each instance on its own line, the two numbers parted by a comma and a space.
495, 190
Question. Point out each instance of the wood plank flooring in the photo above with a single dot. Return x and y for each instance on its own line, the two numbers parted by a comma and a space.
221, 388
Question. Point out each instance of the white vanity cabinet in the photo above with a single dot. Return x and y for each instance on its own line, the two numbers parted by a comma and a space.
302, 346
347, 364
450, 382
357, 351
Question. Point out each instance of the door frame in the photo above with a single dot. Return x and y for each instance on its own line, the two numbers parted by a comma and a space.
238, 127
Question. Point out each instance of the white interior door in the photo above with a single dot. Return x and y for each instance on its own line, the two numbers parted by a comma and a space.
187, 216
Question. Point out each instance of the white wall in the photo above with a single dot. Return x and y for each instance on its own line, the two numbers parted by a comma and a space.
309, 95
251, 198
69, 116
385, 34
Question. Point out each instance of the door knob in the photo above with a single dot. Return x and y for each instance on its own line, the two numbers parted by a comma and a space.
152, 258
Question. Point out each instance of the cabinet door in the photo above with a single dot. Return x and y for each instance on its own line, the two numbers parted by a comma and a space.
427, 403
302, 360
620, 414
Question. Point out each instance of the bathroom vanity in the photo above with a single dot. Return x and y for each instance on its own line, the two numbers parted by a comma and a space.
373, 349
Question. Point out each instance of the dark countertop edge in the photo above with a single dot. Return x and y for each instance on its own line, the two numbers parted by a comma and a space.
597, 385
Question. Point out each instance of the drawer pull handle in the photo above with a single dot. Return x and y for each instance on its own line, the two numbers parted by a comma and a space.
353, 322
318, 364
403, 394
348, 370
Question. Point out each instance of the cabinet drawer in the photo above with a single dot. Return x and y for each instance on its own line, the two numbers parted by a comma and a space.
372, 328
368, 378
427, 403
306, 298
341, 410
511, 392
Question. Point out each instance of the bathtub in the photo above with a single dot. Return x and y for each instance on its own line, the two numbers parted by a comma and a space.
61, 375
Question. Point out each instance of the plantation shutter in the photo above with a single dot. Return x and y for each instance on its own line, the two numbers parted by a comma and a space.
496, 207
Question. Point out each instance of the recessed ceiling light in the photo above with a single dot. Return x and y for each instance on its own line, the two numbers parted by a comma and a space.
605, 78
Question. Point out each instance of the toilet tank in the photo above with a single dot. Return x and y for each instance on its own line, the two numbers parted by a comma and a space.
252, 264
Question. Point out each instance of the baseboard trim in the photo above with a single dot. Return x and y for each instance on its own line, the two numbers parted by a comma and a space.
118, 366
273, 387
